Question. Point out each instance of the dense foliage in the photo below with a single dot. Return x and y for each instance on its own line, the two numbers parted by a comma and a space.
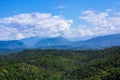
61, 65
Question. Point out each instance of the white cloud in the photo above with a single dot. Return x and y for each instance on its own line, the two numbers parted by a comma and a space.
80, 32
34, 24
107, 22
60, 6
47, 25
96, 24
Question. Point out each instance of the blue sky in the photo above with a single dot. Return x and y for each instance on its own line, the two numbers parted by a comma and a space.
74, 15
71, 8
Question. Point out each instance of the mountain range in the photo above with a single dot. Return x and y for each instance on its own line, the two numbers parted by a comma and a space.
60, 43
99, 42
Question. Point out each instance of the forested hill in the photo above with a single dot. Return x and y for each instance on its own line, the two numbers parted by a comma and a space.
61, 65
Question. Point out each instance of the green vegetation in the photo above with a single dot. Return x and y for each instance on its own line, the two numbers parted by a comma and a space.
61, 65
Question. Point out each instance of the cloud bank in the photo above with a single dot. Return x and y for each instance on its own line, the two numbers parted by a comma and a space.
47, 25
34, 24
102, 23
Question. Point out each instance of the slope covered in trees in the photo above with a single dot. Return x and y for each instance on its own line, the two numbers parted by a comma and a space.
61, 65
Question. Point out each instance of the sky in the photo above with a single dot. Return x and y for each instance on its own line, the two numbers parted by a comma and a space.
72, 19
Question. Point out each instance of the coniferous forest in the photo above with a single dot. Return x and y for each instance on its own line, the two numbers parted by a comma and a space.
61, 65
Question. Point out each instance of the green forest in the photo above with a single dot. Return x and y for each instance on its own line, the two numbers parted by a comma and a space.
61, 65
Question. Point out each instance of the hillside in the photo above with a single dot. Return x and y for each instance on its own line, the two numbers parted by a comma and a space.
61, 65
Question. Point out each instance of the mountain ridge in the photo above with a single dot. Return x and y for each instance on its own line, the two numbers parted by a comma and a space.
62, 43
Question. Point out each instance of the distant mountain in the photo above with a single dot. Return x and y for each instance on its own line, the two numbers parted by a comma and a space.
11, 46
31, 41
99, 42
50, 42
60, 43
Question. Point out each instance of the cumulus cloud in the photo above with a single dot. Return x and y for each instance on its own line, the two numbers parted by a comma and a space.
34, 24
47, 25
96, 24
101, 23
